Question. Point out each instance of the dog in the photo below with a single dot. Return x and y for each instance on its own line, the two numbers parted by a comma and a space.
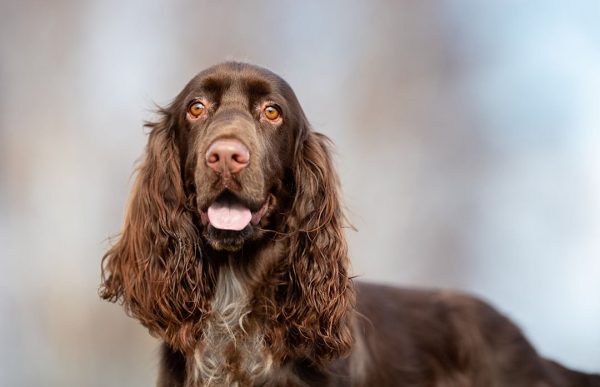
233, 254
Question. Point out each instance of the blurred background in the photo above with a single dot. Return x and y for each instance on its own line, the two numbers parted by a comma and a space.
467, 133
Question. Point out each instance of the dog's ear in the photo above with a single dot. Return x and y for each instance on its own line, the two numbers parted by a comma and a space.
319, 295
155, 268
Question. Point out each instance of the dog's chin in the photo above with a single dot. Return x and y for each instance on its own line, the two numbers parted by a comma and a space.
227, 240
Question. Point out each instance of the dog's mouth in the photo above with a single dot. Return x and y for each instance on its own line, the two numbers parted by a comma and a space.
228, 212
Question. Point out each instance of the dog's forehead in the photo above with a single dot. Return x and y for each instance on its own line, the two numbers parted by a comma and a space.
237, 80
238, 77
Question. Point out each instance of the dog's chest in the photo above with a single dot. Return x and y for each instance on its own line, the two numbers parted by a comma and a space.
232, 351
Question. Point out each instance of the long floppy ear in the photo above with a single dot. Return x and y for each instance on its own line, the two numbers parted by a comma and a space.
155, 269
320, 295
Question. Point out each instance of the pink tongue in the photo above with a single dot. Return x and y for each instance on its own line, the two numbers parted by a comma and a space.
229, 216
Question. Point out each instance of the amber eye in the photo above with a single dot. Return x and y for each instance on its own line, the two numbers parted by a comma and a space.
196, 109
271, 112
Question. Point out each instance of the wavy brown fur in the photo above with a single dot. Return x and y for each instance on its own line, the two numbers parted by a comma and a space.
313, 315
154, 268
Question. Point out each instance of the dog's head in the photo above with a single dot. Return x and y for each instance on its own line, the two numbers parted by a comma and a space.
233, 163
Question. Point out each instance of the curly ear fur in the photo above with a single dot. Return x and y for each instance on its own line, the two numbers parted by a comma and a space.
155, 268
318, 293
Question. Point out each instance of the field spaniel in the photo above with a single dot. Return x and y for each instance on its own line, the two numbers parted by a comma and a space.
233, 254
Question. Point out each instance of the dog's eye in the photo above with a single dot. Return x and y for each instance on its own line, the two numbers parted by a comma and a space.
271, 112
196, 109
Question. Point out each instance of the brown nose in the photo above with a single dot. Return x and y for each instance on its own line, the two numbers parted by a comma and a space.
227, 156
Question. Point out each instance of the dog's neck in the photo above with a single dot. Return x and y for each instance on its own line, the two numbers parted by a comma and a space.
232, 350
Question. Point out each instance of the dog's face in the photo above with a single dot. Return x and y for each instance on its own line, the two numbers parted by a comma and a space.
236, 129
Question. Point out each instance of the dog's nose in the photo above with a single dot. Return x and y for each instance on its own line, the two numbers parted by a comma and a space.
227, 155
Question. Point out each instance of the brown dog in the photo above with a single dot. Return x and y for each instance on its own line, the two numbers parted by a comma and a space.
233, 253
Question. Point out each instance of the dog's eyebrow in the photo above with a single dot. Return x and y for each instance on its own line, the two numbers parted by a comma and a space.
258, 87
214, 84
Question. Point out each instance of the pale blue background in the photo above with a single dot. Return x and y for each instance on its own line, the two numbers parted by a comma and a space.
467, 140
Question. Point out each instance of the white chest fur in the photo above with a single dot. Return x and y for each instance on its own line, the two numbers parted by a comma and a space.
232, 350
